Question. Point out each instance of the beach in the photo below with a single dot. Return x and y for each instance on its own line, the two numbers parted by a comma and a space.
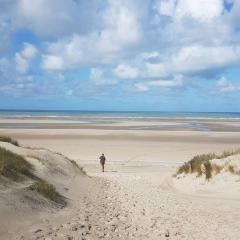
141, 139
120, 120
136, 197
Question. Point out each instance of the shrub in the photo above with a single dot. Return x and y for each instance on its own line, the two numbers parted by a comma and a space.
9, 140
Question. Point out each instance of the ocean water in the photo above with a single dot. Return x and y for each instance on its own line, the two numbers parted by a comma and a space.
116, 114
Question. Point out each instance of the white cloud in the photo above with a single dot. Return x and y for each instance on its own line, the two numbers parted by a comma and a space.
70, 53
97, 76
200, 10
191, 60
120, 30
21, 63
53, 18
52, 62
141, 87
155, 70
199, 58
24, 57
225, 86
176, 82
166, 7
125, 72
122, 38
29, 51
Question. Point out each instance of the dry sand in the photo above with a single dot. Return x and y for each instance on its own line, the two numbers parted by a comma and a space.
136, 198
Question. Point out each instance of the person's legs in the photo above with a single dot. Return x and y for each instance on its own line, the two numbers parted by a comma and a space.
103, 167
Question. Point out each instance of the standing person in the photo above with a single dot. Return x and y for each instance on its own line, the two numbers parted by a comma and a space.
102, 161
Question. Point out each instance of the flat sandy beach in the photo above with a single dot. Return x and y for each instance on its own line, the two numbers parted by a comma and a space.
135, 198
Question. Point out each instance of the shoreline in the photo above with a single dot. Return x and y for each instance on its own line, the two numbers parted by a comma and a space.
96, 123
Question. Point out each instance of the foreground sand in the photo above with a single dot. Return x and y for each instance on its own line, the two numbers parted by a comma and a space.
129, 202
136, 197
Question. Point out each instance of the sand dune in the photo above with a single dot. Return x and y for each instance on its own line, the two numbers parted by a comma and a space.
224, 182
20, 207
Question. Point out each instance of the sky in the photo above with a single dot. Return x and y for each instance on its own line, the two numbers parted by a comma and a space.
156, 55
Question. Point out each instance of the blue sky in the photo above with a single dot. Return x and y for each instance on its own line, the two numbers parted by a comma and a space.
164, 55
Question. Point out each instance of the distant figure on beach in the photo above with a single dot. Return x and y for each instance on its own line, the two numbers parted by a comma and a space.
102, 161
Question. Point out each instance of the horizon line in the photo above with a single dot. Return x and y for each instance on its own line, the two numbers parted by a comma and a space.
110, 111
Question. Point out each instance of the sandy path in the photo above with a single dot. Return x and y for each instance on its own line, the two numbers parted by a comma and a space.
96, 215
143, 204
157, 211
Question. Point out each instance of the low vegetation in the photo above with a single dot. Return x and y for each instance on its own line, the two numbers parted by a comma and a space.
17, 168
13, 166
48, 191
9, 140
201, 164
232, 170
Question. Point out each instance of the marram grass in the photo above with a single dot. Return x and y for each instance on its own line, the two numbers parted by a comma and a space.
201, 164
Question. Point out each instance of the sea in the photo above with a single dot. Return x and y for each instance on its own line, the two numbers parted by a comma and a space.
67, 114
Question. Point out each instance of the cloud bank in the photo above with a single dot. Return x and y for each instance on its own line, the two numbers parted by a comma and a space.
135, 45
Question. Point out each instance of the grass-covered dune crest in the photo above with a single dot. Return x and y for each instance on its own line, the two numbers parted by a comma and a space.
209, 165
16, 168
9, 140
37, 170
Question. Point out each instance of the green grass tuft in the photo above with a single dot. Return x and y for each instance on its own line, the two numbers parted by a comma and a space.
16, 168
208, 170
9, 140
13, 165
47, 190
201, 164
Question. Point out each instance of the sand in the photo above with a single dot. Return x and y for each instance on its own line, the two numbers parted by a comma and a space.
136, 198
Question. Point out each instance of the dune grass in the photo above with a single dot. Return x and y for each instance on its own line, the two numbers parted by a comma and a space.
47, 190
16, 168
196, 163
13, 165
9, 140
201, 164
232, 170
